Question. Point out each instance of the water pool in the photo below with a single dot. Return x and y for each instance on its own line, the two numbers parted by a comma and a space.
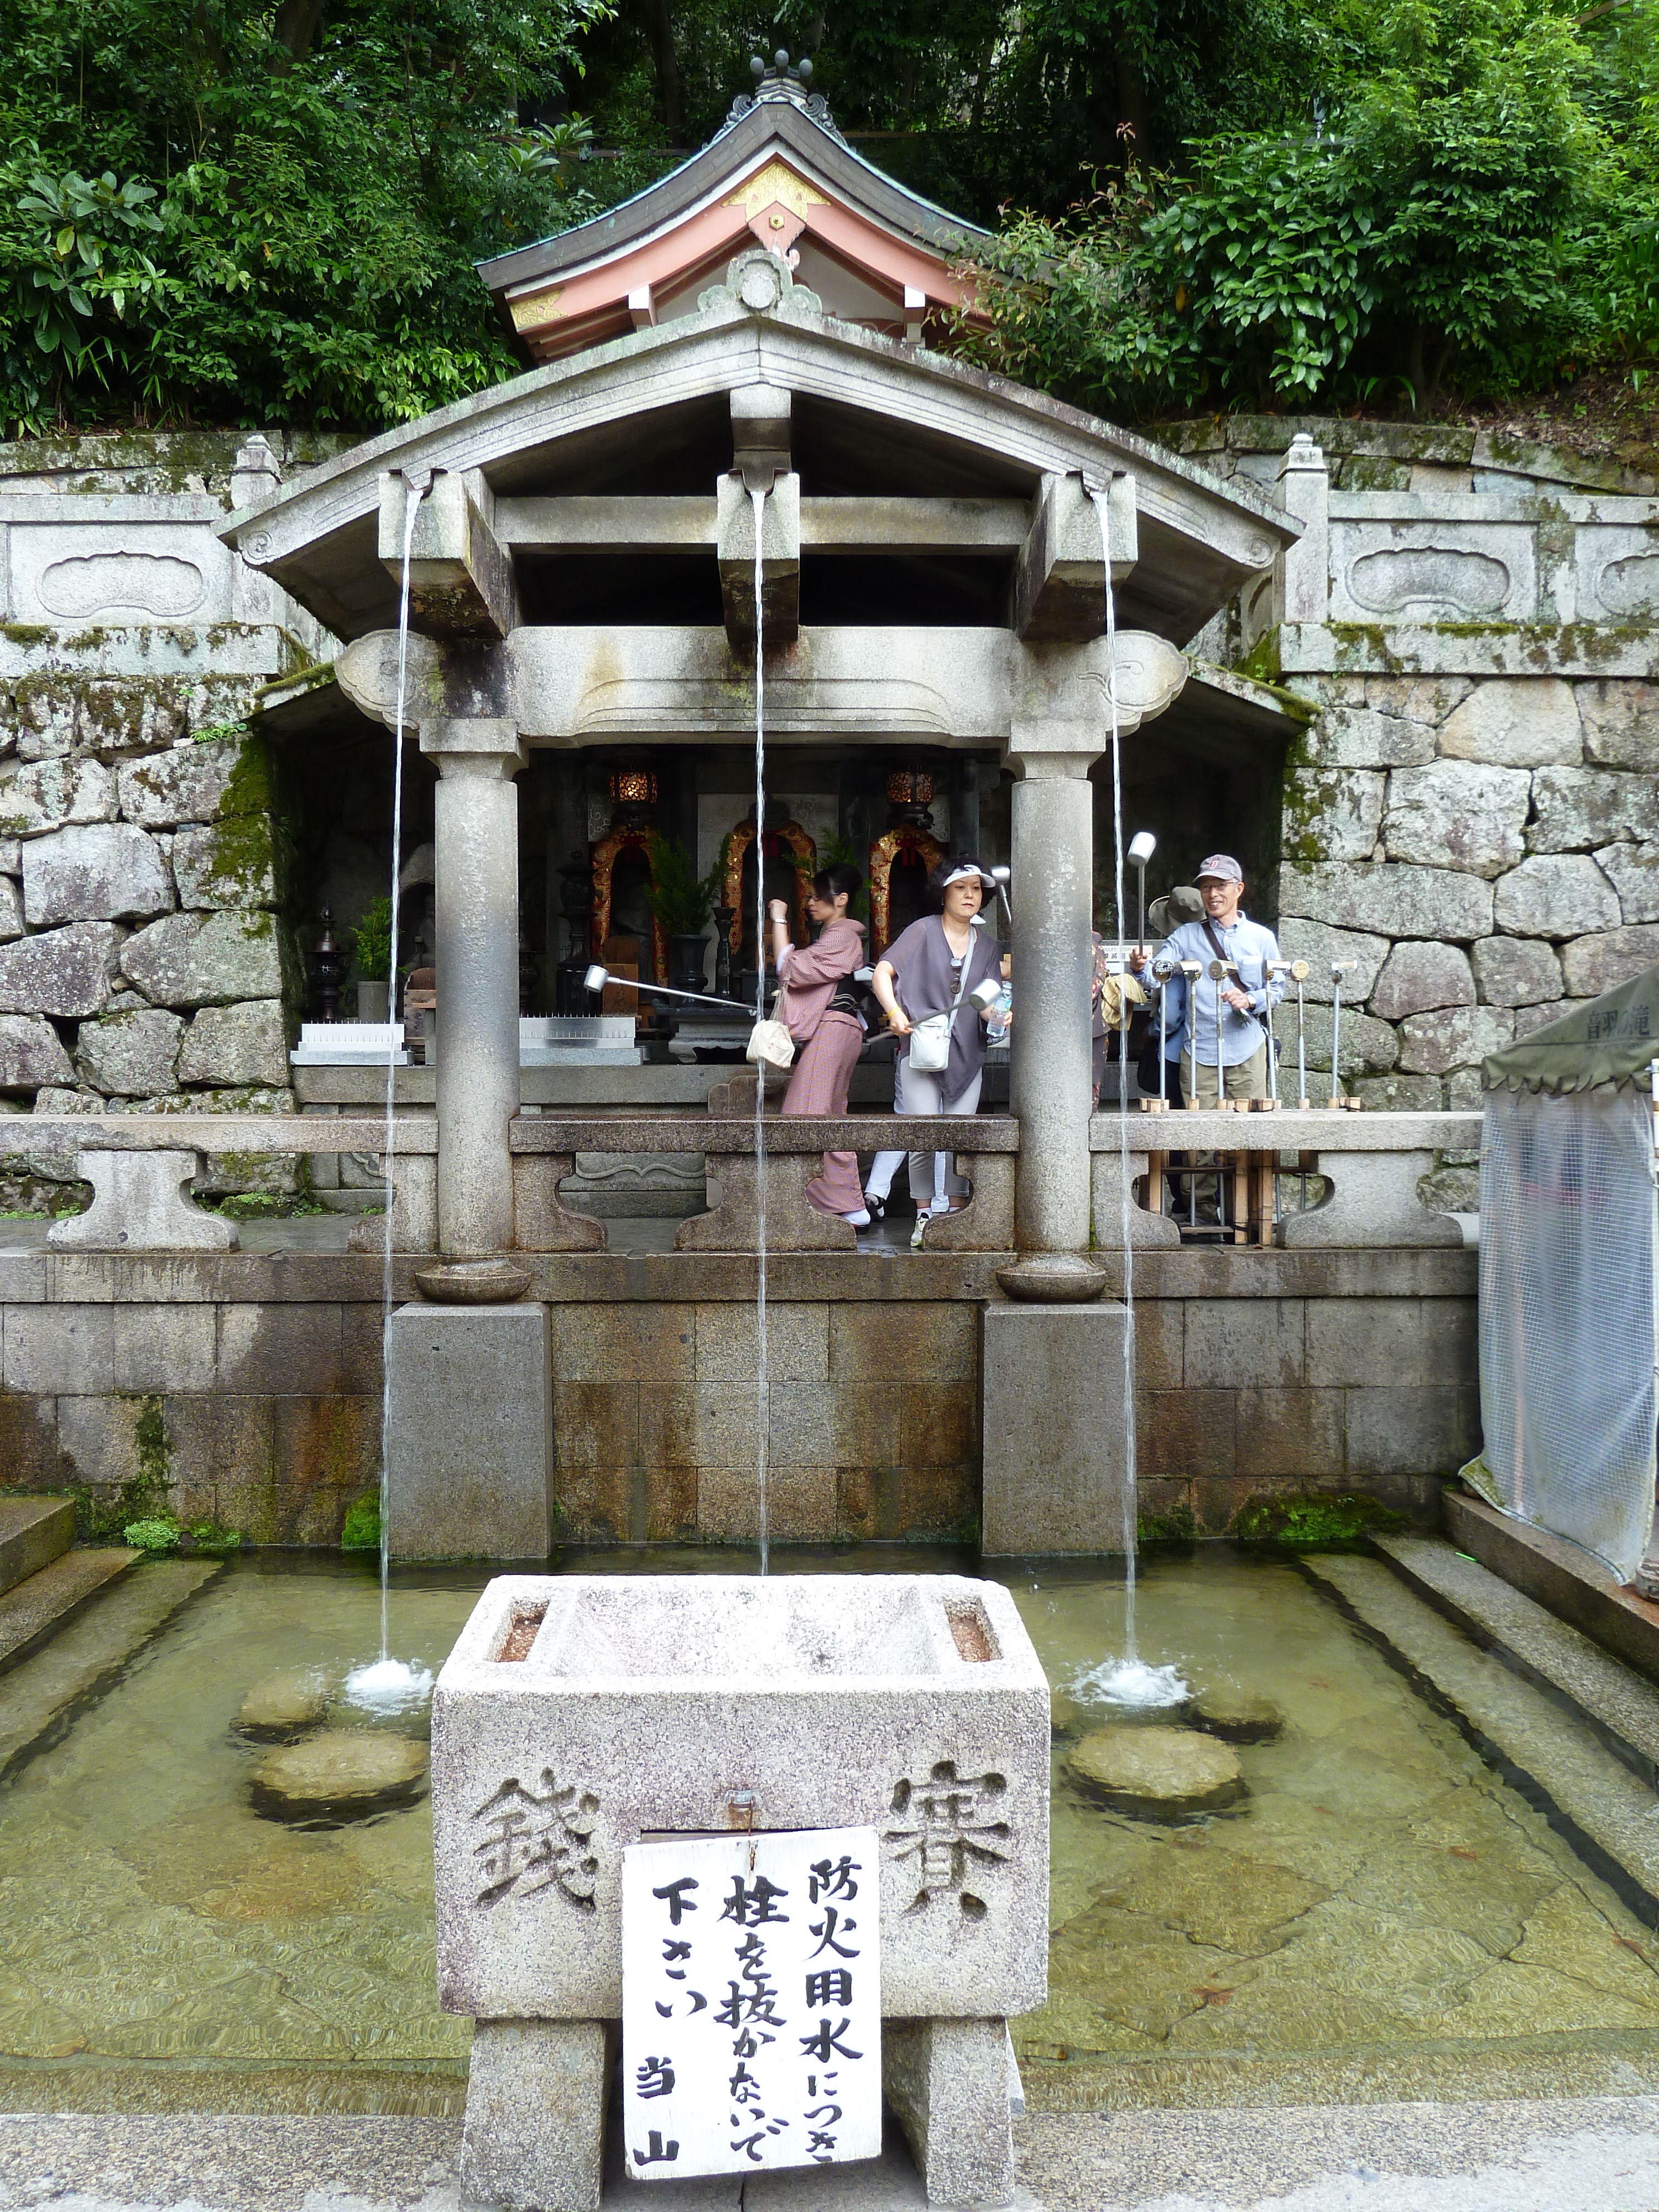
1383, 1915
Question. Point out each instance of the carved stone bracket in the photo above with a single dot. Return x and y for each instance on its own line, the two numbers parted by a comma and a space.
1106, 1203
141, 1202
541, 1220
986, 1224
793, 1223
1373, 1201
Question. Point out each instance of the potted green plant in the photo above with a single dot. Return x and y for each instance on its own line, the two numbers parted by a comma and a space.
372, 943
681, 901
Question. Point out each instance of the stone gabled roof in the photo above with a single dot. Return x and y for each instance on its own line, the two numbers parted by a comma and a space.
779, 174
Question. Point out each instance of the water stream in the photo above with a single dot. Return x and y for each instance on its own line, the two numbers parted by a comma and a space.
1128, 1681
390, 1682
763, 1380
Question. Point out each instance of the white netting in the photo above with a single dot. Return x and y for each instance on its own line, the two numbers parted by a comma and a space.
1566, 1316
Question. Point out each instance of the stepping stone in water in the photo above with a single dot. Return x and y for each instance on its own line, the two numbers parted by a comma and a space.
339, 1774
282, 1706
1234, 1715
1157, 1773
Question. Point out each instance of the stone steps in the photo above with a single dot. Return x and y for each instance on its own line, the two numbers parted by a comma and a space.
44, 1689
33, 1610
1558, 1659
1586, 1792
34, 1531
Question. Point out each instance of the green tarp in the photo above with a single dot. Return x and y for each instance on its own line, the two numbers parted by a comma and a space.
1612, 1040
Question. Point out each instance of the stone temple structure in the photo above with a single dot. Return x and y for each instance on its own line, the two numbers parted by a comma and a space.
1407, 674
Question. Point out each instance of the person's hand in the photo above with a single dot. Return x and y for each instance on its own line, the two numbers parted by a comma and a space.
899, 1021
1138, 960
776, 910
1237, 999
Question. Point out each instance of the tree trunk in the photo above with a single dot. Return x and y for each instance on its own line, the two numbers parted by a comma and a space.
1135, 118
297, 23
656, 21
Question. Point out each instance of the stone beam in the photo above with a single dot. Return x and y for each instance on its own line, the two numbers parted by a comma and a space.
460, 575
668, 522
582, 685
1060, 580
780, 562
760, 433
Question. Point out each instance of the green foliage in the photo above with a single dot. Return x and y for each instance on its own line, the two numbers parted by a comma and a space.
249, 213
151, 1535
1178, 1526
371, 939
213, 1542
1466, 204
361, 1531
679, 898
1313, 1522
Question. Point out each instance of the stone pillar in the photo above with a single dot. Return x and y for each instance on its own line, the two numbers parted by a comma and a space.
1052, 898
476, 891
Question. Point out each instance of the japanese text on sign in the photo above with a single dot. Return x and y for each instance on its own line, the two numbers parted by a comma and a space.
751, 2003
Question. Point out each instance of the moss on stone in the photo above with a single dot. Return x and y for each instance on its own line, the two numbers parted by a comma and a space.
1178, 1526
1316, 1519
361, 1529
27, 632
1261, 662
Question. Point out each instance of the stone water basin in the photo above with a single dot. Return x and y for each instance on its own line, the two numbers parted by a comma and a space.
592, 1711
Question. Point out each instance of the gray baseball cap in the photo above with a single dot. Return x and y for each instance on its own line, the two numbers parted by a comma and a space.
1223, 867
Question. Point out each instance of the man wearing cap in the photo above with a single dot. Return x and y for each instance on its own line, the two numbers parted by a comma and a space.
1222, 1043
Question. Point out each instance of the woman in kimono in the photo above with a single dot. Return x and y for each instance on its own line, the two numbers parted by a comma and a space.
932, 968
819, 1008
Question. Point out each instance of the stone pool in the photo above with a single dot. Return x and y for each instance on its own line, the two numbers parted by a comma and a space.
1382, 1916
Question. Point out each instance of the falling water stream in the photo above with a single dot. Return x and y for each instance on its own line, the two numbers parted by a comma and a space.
390, 1682
763, 1380
1128, 1680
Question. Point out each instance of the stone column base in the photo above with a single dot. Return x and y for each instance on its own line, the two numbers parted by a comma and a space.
534, 2134
949, 2085
1052, 1395
470, 1450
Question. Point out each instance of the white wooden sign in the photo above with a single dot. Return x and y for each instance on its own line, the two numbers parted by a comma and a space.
751, 2003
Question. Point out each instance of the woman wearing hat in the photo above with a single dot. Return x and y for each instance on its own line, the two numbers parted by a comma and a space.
931, 970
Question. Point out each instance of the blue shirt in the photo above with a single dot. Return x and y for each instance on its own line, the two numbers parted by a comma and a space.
1249, 946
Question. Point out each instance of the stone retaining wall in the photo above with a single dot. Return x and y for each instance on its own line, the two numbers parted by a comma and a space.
257, 1378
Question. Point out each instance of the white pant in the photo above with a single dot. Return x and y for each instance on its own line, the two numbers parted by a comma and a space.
932, 1174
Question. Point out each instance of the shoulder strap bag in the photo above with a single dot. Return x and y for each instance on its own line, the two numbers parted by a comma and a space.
930, 1040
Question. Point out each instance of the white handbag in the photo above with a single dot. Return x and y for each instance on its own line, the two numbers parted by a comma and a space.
770, 1041
930, 1040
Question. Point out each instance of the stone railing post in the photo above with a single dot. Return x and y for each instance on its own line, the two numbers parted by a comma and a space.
475, 872
1052, 896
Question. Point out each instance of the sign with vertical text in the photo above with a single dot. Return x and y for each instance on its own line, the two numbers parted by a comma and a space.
751, 2003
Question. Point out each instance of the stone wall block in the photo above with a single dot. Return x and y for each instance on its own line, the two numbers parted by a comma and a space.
1361, 738
797, 1339
1620, 720
46, 794
187, 784
1515, 971
11, 856
44, 711
1369, 1046
1595, 964
1398, 1094
1516, 721
130, 1055
1458, 814
1555, 896
94, 872
1417, 698
612, 1343
1453, 1036
1333, 814
1291, 1435
1633, 871
1319, 945
126, 717
30, 1053
1392, 899
227, 864
11, 909
1577, 808
242, 1043
197, 960
1421, 1429
63, 971
1417, 977
1231, 1342
1530, 1019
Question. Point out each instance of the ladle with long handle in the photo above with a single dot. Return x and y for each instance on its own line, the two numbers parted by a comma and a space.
1338, 970
598, 977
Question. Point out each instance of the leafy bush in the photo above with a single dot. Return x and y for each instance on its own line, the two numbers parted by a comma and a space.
151, 1535
208, 1538
371, 940
680, 899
